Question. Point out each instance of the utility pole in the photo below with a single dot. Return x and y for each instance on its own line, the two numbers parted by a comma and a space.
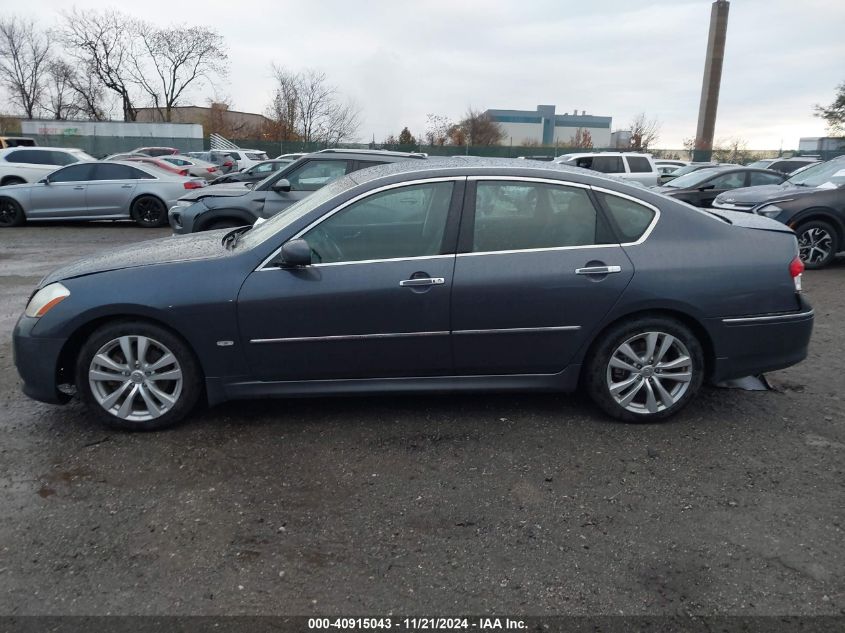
711, 81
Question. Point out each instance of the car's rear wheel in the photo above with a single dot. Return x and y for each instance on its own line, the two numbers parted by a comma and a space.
11, 213
645, 370
149, 212
817, 243
137, 376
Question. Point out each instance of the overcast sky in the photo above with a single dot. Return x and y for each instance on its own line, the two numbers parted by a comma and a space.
400, 60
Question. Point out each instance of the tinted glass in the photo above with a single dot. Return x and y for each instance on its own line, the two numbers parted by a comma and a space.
519, 215
405, 222
631, 218
315, 174
728, 181
62, 158
691, 179
638, 164
607, 164
113, 171
30, 157
761, 164
761, 178
74, 173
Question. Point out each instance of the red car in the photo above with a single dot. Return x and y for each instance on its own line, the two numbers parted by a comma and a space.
156, 151
149, 160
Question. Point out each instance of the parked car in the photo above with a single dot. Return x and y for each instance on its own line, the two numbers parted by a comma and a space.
537, 157
225, 163
227, 207
96, 191
290, 157
426, 276
256, 173
149, 160
16, 141
699, 188
665, 173
785, 165
244, 158
29, 164
674, 162
811, 202
197, 167
156, 151
627, 165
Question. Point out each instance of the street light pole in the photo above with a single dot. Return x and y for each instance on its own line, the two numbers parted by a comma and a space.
711, 81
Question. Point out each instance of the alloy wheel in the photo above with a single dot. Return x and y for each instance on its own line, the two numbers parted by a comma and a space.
814, 245
135, 378
649, 372
148, 210
8, 213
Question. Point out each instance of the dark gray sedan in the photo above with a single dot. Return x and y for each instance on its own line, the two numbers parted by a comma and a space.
441, 275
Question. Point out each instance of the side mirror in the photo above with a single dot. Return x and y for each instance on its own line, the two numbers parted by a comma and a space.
281, 185
295, 253
44, 181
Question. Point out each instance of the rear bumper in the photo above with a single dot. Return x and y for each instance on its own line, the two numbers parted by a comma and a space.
37, 360
750, 345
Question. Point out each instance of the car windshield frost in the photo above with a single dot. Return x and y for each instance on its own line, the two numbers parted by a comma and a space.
692, 179
257, 235
829, 173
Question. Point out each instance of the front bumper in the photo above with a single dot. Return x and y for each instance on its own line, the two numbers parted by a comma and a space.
182, 218
37, 362
751, 345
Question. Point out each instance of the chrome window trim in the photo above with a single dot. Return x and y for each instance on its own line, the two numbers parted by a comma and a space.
770, 317
361, 196
550, 181
521, 330
379, 261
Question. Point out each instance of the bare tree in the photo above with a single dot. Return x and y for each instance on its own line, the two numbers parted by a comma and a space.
644, 132
103, 42
306, 103
61, 100
583, 139
834, 114
480, 128
170, 60
24, 57
437, 129
731, 150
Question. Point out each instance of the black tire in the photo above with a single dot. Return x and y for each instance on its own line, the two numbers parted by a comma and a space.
191, 382
149, 212
598, 373
815, 237
13, 180
11, 213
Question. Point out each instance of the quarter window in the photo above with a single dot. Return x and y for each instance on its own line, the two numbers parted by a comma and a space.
315, 174
638, 164
405, 222
631, 218
526, 215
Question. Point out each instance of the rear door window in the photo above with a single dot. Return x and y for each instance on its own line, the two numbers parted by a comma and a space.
607, 164
728, 181
30, 157
762, 178
114, 171
316, 174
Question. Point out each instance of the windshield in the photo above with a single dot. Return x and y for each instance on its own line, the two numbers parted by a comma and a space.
265, 230
692, 179
832, 172
762, 164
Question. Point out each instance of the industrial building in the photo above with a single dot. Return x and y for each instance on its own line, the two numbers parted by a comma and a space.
545, 127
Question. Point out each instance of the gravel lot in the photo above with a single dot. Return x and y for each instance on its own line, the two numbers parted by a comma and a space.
436, 505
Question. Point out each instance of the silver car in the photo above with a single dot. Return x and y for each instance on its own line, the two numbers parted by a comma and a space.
197, 167
113, 190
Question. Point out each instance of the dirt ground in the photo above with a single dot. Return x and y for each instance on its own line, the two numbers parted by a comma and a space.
473, 504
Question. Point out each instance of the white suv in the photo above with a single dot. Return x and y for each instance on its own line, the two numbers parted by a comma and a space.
629, 165
30, 164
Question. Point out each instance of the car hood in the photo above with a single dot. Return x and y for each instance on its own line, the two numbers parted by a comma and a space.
193, 247
761, 193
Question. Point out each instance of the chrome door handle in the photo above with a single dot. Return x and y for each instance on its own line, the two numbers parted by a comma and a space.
126, 186
598, 270
79, 187
423, 281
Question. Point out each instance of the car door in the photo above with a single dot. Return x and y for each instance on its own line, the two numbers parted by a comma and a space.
537, 268
304, 179
110, 189
640, 169
375, 301
61, 194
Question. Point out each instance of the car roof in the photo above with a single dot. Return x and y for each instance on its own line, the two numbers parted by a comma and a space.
373, 152
582, 154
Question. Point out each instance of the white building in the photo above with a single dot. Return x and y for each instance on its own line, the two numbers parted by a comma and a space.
545, 127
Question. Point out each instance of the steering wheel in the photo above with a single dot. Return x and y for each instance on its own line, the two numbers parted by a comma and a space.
325, 241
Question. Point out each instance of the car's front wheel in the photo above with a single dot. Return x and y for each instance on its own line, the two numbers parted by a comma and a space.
149, 212
817, 243
645, 370
137, 376
11, 213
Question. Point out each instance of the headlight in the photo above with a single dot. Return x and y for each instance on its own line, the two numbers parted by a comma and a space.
769, 210
46, 299
184, 203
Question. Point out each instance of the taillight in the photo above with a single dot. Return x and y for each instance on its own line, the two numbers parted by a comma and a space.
228, 163
211, 169
183, 172
796, 267
193, 184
